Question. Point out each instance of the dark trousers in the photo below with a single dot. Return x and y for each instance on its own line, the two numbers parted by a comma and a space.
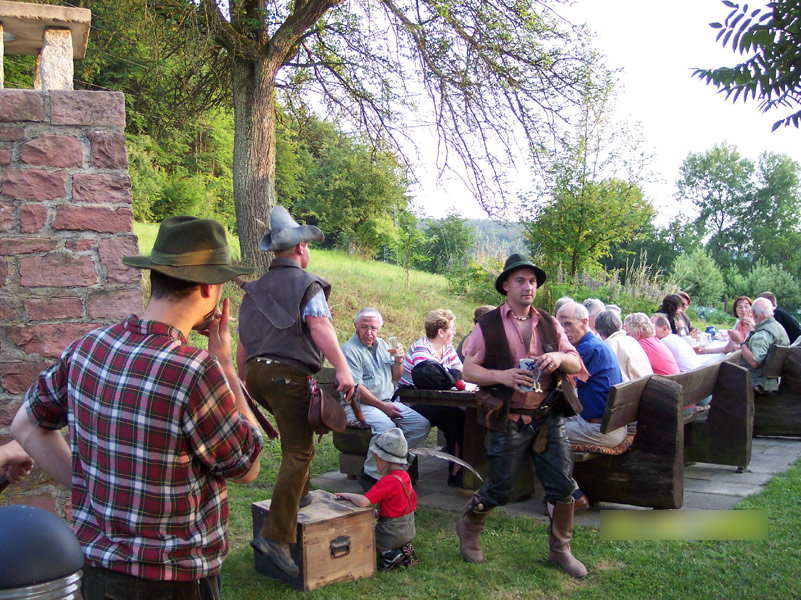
101, 584
450, 421
284, 391
508, 450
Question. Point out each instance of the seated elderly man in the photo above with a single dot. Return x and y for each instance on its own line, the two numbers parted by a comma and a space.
604, 372
594, 306
639, 326
685, 356
767, 331
376, 368
631, 357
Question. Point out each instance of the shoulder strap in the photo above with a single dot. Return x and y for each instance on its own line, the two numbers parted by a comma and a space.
407, 492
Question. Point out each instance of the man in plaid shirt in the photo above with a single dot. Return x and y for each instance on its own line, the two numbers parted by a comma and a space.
156, 427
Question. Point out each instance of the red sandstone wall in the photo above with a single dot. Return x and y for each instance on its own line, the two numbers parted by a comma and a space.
65, 223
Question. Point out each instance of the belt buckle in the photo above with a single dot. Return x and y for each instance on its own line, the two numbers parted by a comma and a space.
266, 361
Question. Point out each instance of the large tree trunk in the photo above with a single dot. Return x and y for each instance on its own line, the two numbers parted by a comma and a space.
254, 155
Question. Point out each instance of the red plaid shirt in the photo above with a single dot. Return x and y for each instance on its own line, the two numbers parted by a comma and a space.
154, 433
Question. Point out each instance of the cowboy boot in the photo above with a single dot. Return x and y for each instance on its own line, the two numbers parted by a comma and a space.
469, 529
560, 530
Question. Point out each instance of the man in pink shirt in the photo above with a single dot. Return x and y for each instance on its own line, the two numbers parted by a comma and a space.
526, 420
639, 326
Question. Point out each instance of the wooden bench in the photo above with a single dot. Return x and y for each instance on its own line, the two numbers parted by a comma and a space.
779, 414
651, 472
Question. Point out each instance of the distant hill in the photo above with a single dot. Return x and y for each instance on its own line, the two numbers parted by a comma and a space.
496, 239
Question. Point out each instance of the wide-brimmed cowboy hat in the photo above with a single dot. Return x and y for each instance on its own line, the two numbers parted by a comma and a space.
190, 249
514, 262
286, 233
390, 446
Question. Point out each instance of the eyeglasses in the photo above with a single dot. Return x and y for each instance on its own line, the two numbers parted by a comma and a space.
372, 328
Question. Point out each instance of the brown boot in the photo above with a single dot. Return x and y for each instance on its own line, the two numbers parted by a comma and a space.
469, 529
561, 532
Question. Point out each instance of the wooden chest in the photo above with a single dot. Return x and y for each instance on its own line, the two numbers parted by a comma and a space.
336, 542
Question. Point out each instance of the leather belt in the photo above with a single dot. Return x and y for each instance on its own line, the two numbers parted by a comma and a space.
596, 421
536, 413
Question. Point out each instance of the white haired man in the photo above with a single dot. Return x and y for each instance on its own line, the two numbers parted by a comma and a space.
631, 357
685, 356
376, 369
594, 306
767, 332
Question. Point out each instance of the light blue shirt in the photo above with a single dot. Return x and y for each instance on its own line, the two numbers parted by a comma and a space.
370, 366
316, 307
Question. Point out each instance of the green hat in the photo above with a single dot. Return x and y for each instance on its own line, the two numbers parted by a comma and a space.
190, 249
514, 262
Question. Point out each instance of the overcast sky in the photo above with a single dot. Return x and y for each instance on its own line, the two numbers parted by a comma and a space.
657, 44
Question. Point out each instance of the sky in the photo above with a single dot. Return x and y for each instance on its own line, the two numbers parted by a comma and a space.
656, 45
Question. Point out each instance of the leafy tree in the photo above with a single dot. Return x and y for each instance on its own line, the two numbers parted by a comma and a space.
578, 228
450, 241
775, 223
592, 191
408, 244
698, 274
771, 277
771, 38
348, 186
487, 71
720, 185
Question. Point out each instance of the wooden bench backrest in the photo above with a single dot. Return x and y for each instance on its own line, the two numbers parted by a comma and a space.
774, 361
622, 403
698, 383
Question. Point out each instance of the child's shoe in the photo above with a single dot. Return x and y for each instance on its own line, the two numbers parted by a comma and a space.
409, 557
391, 559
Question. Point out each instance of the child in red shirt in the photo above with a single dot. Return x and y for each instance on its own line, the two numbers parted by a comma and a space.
395, 498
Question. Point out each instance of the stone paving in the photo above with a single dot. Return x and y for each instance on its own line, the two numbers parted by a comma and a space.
706, 486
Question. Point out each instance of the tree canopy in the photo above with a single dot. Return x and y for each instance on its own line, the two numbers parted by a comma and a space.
770, 37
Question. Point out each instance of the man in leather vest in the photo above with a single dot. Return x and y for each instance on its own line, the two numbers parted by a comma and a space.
527, 422
285, 331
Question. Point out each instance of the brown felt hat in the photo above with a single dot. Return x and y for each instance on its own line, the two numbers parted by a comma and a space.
190, 249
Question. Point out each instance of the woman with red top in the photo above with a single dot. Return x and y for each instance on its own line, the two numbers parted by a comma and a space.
395, 498
640, 327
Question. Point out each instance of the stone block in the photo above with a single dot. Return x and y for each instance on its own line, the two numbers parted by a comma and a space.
3, 271
5, 154
87, 108
108, 150
113, 188
48, 340
54, 69
51, 309
12, 134
80, 245
7, 219
33, 184
8, 409
22, 105
32, 218
114, 304
111, 252
26, 245
58, 269
17, 377
8, 309
94, 218
60, 151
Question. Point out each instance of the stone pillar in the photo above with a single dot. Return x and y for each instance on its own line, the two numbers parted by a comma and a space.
54, 62
65, 223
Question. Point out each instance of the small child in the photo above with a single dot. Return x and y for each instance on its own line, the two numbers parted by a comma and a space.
396, 500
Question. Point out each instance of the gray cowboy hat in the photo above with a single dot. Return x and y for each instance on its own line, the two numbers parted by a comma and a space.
390, 446
286, 233
514, 262
190, 249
